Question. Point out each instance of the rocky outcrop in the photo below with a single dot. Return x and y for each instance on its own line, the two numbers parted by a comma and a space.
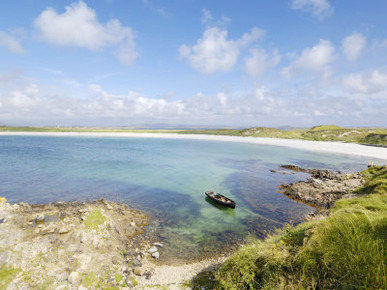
324, 187
65, 245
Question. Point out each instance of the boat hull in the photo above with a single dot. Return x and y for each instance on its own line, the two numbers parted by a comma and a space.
220, 199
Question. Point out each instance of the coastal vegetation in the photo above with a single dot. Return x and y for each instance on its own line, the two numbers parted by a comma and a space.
317, 133
345, 249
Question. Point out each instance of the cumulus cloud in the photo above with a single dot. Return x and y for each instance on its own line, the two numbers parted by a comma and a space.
79, 26
10, 43
366, 83
259, 61
319, 8
353, 45
215, 52
316, 59
23, 100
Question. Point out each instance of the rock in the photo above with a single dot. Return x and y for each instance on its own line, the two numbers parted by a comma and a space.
147, 275
64, 230
96, 241
136, 263
39, 219
129, 283
75, 278
158, 245
133, 224
152, 250
138, 271
4, 257
115, 260
84, 238
156, 255
63, 276
316, 182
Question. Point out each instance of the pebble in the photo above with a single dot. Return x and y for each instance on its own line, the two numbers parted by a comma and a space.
158, 245
62, 276
40, 219
64, 230
129, 283
156, 255
96, 241
136, 263
138, 271
152, 250
74, 278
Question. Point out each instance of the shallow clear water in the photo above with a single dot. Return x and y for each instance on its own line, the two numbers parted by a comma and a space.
167, 179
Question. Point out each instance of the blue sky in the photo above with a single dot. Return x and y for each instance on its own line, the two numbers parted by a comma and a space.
193, 63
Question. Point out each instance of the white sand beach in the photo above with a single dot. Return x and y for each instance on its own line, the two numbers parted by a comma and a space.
371, 152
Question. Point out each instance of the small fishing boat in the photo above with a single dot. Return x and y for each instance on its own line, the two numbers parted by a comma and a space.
221, 199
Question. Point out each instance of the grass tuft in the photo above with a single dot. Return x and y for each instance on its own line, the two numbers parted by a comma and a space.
7, 274
94, 220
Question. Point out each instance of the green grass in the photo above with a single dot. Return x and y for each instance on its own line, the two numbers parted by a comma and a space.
318, 133
325, 128
7, 274
346, 250
94, 220
376, 180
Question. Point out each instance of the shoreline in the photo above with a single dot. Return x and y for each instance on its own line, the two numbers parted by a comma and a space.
319, 146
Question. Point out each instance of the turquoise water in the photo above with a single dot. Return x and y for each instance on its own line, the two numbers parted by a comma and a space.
167, 179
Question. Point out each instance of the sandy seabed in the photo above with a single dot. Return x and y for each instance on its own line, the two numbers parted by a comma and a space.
320, 146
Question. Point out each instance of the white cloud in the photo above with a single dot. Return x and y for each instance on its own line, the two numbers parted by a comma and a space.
316, 59
207, 16
10, 43
214, 52
374, 82
319, 8
79, 26
260, 61
353, 45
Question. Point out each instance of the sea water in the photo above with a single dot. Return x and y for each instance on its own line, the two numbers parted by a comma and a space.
167, 179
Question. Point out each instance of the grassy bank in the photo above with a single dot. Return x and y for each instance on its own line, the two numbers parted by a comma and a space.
346, 250
319, 133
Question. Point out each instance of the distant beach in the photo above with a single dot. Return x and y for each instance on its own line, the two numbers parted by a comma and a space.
321, 146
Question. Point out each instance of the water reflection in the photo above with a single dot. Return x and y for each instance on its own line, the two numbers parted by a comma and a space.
222, 208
